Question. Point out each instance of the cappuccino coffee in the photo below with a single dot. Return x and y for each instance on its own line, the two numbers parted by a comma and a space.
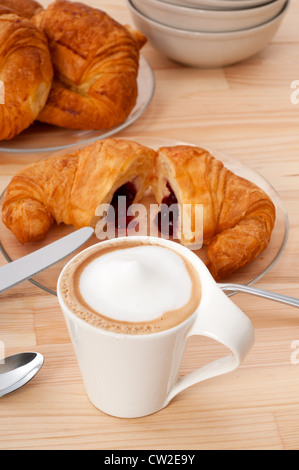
131, 287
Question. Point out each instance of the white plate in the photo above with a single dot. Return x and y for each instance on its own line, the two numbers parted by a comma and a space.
47, 280
42, 137
202, 20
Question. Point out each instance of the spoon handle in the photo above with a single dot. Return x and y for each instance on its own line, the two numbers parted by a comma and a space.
261, 293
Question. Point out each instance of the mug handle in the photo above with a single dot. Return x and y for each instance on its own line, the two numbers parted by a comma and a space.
220, 319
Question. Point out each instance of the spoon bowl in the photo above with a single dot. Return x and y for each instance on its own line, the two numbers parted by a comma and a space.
17, 370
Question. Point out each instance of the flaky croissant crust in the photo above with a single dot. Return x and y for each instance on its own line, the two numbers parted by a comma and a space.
26, 71
96, 62
25, 8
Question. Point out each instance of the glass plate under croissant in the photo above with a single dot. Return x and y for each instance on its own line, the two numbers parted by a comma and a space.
247, 275
40, 137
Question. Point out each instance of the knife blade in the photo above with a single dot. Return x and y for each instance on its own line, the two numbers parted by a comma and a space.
24, 268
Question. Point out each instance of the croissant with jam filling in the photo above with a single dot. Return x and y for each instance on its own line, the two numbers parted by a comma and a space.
69, 188
238, 217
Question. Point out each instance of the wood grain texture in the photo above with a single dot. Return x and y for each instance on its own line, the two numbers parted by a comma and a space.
243, 111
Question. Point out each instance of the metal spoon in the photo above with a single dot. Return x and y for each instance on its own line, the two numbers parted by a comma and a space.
17, 370
261, 293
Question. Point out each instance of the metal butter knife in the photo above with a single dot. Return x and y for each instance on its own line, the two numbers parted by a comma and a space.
24, 268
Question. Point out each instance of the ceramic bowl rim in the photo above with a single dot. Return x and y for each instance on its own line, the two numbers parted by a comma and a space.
211, 35
171, 7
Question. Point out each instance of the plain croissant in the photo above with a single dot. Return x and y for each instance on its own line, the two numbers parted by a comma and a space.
69, 188
96, 63
26, 71
238, 217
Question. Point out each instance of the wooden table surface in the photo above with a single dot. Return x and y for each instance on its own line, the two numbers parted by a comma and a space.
246, 112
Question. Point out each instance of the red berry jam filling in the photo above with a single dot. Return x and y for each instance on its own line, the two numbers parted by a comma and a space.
127, 191
167, 219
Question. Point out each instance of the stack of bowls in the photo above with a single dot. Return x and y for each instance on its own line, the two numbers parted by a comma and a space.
208, 33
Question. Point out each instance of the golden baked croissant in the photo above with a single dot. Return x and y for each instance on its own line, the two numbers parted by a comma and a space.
25, 8
26, 71
69, 188
238, 217
96, 63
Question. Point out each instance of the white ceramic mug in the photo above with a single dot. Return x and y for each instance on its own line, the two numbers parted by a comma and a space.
131, 376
